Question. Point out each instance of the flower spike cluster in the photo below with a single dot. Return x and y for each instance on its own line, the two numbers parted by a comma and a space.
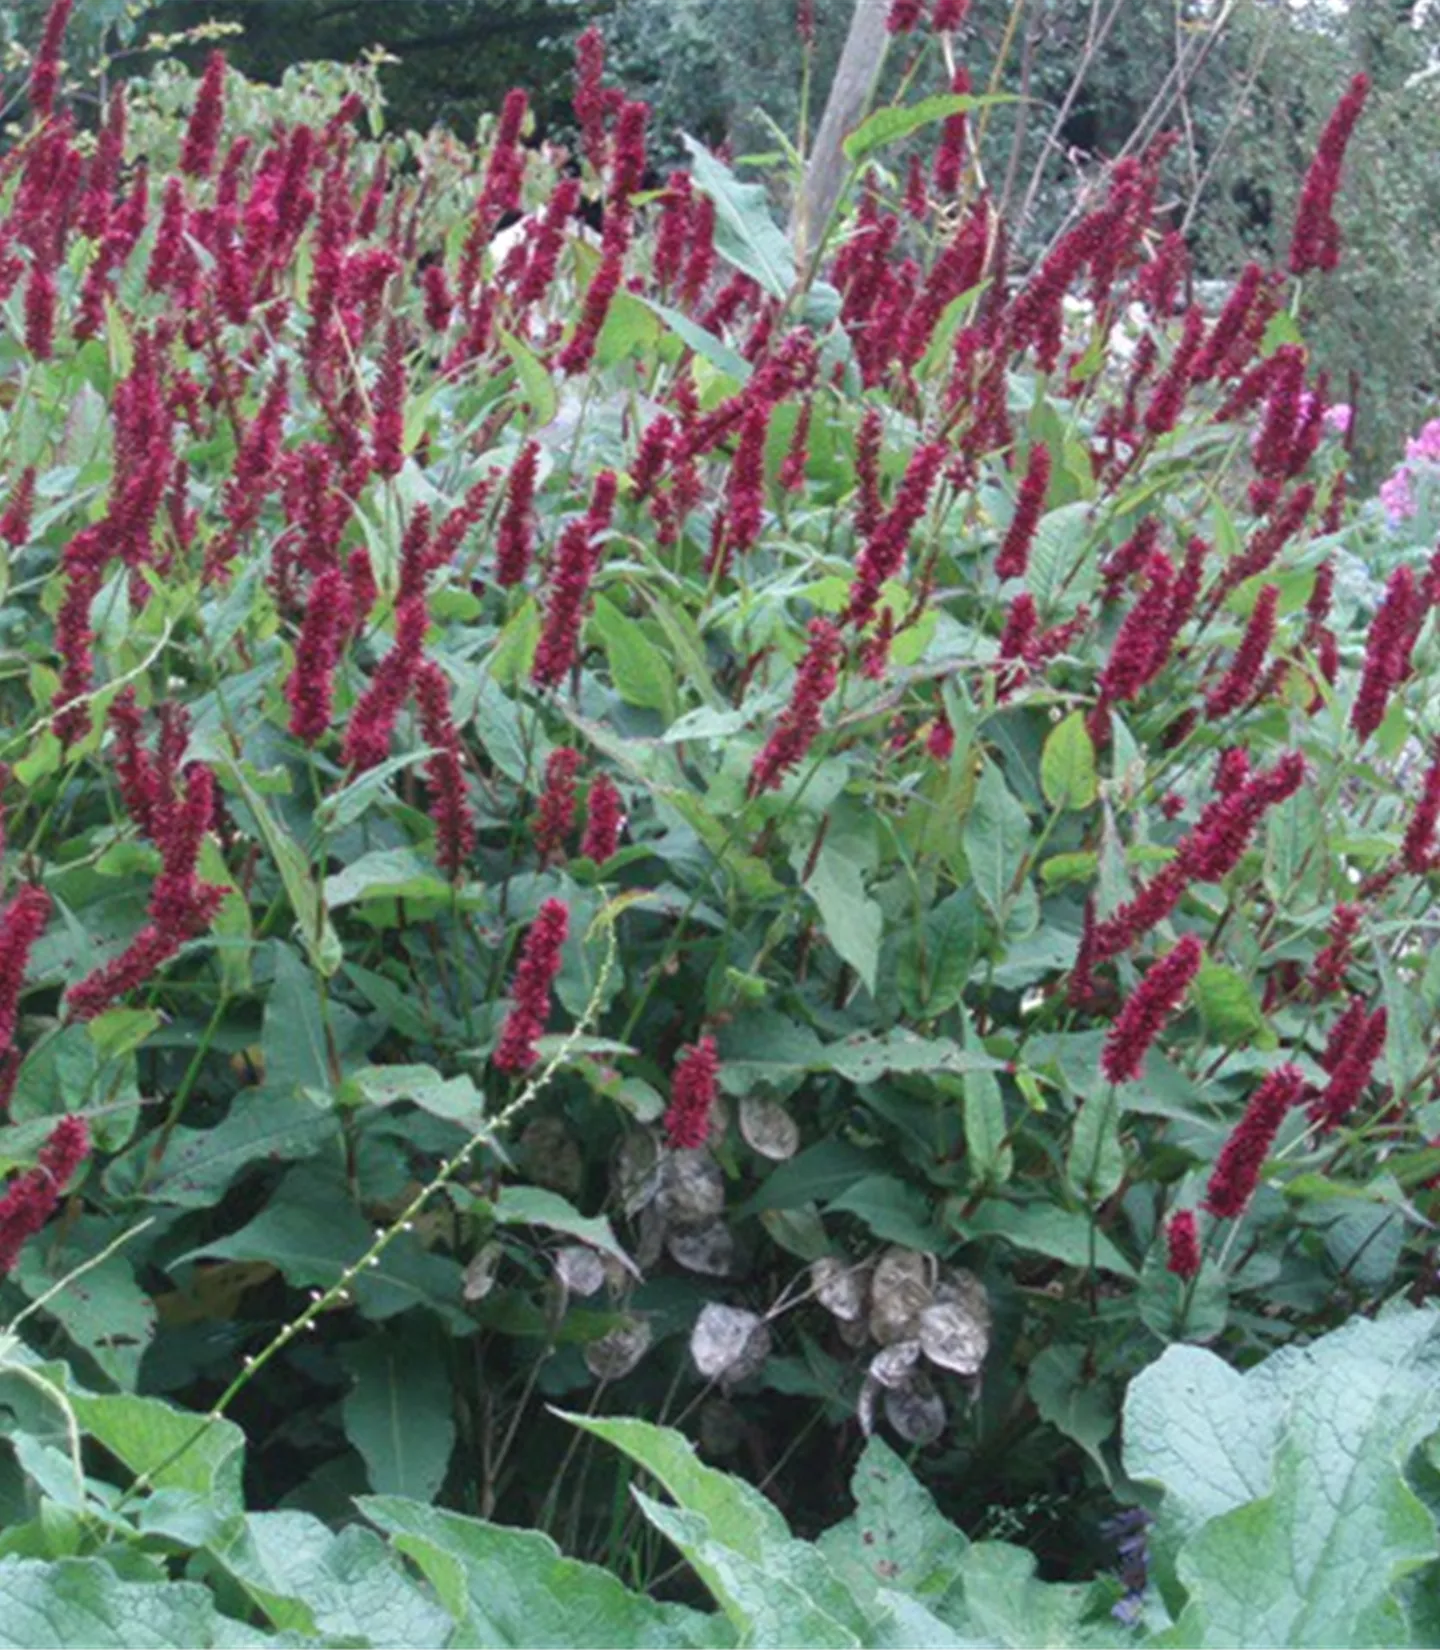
693, 1090
530, 991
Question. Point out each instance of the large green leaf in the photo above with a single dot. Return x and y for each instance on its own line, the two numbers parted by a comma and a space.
853, 921
1285, 1489
897, 121
81, 1601
641, 674
1043, 1229
997, 840
1067, 764
398, 1413
507, 1587
745, 233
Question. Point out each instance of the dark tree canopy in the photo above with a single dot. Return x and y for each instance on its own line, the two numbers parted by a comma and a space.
457, 58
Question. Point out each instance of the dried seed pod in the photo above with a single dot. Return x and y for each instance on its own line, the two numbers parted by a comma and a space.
617, 1353
840, 1287
552, 1157
894, 1365
480, 1273
899, 1292
729, 1342
856, 1333
635, 1174
580, 1269
692, 1189
768, 1128
650, 1233
950, 1337
709, 1249
916, 1412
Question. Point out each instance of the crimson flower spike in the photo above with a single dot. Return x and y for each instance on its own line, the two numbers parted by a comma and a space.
1182, 1245
1315, 241
693, 1088
1015, 551
530, 991
1147, 1009
1237, 1169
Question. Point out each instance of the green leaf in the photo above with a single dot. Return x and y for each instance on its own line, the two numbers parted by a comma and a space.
317, 933
1096, 1164
898, 121
705, 344
640, 671
385, 873
1285, 1487
535, 381
1001, 1602
896, 1537
105, 1311
456, 1099
507, 1587
934, 968
535, 1206
1228, 1007
82, 1601
853, 921
1042, 1229
348, 1586
990, 1159
894, 1211
745, 233
353, 801
821, 1172
144, 1433
630, 328
398, 1412
1067, 765
1073, 1402
997, 840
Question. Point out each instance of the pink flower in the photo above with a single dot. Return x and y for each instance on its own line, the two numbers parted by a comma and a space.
745, 487
950, 152
21, 926
40, 312
531, 987
1333, 960
1182, 1244
1418, 851
1351, 1070
904, 16
580, 351
884, 552
1154, 1000
590, 100
1237, 1170
693, 1089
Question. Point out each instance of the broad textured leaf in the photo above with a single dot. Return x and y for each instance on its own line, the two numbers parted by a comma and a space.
1079, 1406
81, 1601
1096, 1164
387, 873
398, 1413
640, 671
1042, 1229
1228, 1006
507, 1587
895, 1211
936, 959
745, 233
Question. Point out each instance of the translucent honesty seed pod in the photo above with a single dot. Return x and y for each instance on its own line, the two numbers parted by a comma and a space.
709, 1249
894, 1365
899, 1292
692, 1189
617, 1353
840, 1287
768, 1128
480, 1273
635, 1173
955, 1328
580, 1269
729, 1343
916, 1412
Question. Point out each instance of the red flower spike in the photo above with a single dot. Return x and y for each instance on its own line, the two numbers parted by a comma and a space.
555, 817
387, 451
799, 723
571, 570
949, 16
1418, 850
40, 298
143, 790
1237, 1170
904, 16
311, 687
1136, 654
1334, 959
950, 153
1182, 1245
693, 1090
1315, 240
372, 723
202, 135
15, 523
21, 926
1143, 1017
589, 100
580, 351
33, 1197
1238, 684
884, 552
1387, 652
514, 538
1217, 355
1163, 413
745, 486
791, 478
45, 70
1015, 551
530, 990
1351, 1073
604, 820
450, 809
